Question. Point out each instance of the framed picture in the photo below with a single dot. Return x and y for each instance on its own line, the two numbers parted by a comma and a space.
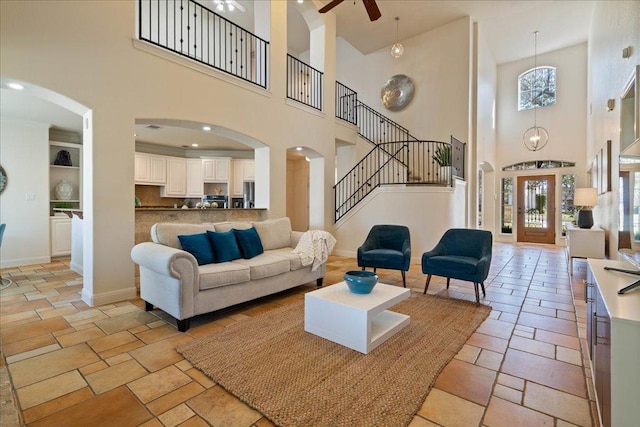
606, 167
595, 174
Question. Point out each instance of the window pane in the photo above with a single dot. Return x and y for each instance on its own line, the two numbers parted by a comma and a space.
568, 209
507, 205
537, 88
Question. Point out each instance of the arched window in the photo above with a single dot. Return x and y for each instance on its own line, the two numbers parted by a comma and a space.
537, 87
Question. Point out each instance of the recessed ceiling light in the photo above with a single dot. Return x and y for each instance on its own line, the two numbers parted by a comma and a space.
298, 148
15, 86
300, 1
206, 128
194, 145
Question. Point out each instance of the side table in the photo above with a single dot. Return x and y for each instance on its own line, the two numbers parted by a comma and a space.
584, 243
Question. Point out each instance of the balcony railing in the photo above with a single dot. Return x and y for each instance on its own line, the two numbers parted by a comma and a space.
190, 29
346, 103
304, 83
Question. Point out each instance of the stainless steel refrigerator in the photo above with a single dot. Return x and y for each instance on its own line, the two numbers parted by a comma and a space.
249, 188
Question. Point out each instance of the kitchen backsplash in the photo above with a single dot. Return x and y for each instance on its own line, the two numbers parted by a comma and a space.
149, 196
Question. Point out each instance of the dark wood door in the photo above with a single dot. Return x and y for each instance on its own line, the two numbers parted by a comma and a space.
536, 209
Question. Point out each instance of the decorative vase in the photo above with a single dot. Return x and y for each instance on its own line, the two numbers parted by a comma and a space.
63, 190
360, 281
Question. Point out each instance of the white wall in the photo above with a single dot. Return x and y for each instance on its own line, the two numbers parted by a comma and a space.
614, 26
439, 64
427, 211
566, 122
24, 154
86, 51
485, 129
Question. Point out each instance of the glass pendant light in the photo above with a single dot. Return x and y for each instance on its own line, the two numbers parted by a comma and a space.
397, 49
536, 137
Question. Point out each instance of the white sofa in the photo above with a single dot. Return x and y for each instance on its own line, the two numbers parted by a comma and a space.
172, 280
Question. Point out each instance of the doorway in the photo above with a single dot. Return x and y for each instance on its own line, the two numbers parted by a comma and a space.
536, 209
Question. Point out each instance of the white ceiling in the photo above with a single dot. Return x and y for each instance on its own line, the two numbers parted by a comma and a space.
506, 25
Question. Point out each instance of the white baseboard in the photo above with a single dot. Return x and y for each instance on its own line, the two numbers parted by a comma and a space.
76, 267
17, 262
108, 297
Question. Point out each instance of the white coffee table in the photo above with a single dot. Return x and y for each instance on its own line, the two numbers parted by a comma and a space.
360, 322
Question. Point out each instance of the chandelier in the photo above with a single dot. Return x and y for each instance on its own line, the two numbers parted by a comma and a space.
536, 137
397, 49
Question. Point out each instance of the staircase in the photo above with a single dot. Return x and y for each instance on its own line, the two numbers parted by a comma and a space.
397, 157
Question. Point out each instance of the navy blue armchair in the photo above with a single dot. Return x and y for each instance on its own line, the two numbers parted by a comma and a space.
463, 254
386, 246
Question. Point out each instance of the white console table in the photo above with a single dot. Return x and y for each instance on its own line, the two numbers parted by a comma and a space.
584, 243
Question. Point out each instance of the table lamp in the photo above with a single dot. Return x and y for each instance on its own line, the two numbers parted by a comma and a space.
586, 198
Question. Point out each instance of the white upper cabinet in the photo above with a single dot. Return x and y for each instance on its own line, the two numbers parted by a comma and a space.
184, 178
176, 185
150, 169
216, 170
195, 185
243, 170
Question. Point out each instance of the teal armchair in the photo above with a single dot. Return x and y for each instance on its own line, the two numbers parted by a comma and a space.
462, 254
387, 246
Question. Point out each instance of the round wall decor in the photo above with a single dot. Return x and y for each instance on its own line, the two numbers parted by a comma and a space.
397, 92
3, 179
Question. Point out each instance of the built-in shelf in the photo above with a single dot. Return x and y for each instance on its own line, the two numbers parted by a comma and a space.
72, 174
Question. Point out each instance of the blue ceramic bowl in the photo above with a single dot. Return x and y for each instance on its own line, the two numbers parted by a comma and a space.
360, 282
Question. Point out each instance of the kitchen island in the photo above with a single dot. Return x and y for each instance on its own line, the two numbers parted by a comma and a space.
147, 216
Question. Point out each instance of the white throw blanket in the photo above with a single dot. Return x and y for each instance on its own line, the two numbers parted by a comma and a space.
314, 247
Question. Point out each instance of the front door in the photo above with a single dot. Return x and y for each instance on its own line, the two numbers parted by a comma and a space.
536, 209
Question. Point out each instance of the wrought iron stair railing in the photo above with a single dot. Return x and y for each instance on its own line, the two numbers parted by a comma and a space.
398, 163
196, 32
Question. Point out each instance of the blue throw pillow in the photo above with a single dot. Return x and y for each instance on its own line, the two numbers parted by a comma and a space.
249, 242
199, 246
224, 245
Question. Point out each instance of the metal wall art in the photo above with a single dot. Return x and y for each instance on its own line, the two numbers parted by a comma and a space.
397, 92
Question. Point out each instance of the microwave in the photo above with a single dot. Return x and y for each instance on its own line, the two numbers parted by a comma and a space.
219, 199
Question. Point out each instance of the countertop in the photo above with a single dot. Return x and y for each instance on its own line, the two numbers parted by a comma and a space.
621, 307
160, 208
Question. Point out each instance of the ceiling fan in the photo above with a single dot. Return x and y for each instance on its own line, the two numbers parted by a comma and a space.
370, 5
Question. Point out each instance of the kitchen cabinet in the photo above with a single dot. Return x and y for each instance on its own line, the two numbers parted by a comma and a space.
216, 170
60, 235
68, 178
184, 178
195, 185
150, 169
176, 185
613, 337
243, 170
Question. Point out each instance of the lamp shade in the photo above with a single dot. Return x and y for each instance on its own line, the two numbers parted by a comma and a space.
585, 197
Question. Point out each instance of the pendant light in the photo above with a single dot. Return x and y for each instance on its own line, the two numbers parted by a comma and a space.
536, 137
397, 49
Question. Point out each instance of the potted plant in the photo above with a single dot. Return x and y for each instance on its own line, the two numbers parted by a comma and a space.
442, 156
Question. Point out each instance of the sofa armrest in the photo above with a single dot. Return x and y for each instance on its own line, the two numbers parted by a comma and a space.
165, 260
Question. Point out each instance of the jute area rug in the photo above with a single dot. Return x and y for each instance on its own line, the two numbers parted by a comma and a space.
298, 379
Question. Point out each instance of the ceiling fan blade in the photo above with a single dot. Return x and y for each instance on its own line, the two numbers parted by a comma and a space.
372, 9
330, 6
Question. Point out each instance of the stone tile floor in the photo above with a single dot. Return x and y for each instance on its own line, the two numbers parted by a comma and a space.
71, 364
